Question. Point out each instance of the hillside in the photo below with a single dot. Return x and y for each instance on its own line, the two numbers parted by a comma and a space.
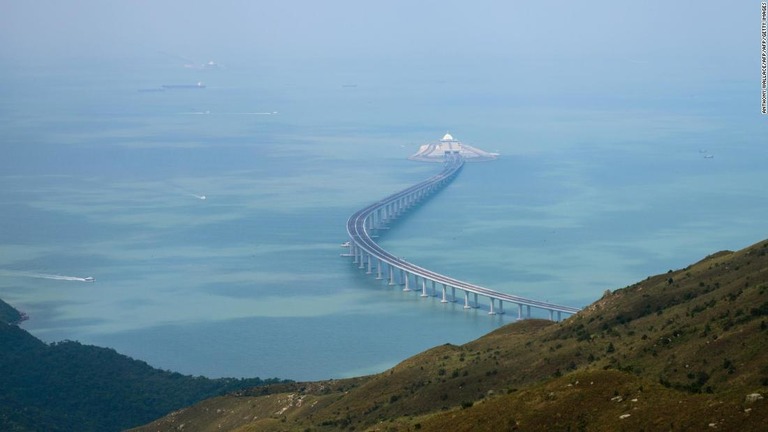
684, 350
9, 314
68, 386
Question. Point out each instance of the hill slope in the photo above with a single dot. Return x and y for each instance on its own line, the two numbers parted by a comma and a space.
67, 386
689, 346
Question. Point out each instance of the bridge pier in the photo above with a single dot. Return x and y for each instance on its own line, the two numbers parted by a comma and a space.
551, 315
391, 275
378, 269
519, 311
407, 288
453, 294
501, 307
477, 305
353, 251
444, 300
370, 261
528, 310
424, 287
466, 300
434, 294
491, 311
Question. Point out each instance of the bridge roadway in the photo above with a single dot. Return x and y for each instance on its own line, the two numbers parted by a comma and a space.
375, 216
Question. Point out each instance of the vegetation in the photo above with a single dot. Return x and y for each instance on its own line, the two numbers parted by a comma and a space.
67, 386
684, 350
9, 315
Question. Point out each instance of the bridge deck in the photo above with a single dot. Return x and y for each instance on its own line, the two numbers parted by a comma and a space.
357, 228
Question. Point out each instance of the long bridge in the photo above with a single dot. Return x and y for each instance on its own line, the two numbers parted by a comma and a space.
372, 257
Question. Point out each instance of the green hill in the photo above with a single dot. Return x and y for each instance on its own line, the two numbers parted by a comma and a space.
68, 386
684, 350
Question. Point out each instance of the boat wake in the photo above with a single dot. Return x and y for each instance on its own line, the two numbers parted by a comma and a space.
45, 276
188, 192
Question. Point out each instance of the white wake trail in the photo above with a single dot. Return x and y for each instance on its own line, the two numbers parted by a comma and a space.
57, 277
44, 276
188, 192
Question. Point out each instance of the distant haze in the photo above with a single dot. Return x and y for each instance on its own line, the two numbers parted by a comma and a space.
580, 38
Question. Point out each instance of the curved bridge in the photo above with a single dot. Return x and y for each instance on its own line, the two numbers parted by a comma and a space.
366, 251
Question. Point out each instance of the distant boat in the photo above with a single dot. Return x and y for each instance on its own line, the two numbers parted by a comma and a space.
89, 279
199, 85
345, 244
709, 157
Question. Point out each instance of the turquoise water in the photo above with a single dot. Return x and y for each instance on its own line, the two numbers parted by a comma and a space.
101, 180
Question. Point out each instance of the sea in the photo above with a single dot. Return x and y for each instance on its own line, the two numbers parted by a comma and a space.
211, 218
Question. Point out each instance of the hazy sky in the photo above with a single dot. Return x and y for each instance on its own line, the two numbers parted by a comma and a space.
239, 31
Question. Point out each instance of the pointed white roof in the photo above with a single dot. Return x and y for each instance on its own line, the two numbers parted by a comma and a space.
447, 137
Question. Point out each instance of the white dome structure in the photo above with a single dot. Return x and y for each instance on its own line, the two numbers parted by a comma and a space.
448, 145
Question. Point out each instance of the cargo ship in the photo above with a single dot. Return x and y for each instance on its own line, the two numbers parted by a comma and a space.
199, 85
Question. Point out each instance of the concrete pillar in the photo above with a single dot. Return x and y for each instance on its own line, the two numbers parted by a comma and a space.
551, 315
477, 305
434, 294
424, 287
378, 269
407, 288
501, 307
362, 259
519, 311
453, 294
559, 317
528, 310
391, 275
353, 251
444, 300
491, 311
370, 263
466, 300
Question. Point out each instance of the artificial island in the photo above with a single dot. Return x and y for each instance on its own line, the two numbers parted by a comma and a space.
437, 151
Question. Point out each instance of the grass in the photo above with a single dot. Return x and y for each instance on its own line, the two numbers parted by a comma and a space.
688, 344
